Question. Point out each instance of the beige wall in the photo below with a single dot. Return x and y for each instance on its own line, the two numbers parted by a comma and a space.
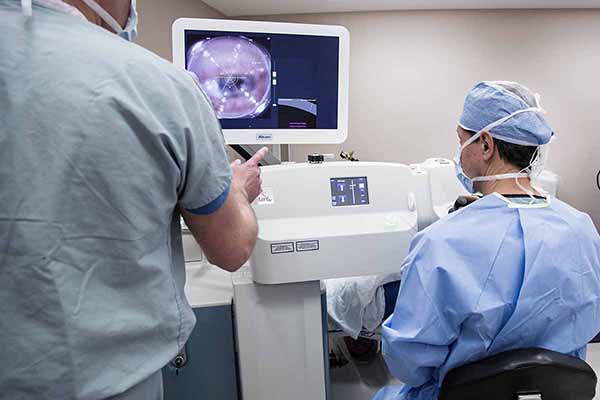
410, 72
157, 16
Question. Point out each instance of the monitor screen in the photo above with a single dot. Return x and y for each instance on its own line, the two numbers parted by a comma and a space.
349, 191
267, 80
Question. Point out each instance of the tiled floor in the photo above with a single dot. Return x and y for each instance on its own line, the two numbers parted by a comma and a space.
361, 383
353, 382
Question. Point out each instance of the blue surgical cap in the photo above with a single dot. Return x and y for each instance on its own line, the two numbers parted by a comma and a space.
488, 102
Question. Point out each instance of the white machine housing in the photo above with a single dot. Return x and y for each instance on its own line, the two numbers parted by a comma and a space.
302, 237
443, 185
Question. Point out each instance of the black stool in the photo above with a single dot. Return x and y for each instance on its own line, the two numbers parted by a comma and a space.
524, 374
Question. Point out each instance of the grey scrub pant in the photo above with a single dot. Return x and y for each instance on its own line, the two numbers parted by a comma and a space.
150, 389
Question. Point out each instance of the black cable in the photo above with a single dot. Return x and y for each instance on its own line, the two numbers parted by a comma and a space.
598, 180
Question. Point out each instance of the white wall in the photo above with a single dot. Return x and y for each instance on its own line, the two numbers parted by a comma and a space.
157, 16
410, 71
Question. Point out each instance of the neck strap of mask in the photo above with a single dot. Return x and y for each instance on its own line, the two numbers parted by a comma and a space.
512, 175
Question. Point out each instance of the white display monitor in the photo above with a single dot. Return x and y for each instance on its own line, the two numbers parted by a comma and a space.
268, 82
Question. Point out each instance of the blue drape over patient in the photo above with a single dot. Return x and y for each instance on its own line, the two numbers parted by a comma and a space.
491, 278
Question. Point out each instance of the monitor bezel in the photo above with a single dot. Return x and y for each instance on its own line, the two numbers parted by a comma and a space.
277, 136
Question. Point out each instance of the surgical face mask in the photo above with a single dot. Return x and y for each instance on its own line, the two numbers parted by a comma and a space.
128, 33
468, 182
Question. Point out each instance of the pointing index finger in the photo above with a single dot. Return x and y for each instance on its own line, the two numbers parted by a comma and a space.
258, 157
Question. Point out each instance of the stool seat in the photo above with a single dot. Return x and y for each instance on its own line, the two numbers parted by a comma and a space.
523, 374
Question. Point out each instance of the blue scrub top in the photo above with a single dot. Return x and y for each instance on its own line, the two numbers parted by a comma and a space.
487, 279
100, 142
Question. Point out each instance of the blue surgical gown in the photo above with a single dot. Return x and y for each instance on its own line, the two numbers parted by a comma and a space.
101, 142
487, 279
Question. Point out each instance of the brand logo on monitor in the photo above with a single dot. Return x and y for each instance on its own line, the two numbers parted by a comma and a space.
264, 136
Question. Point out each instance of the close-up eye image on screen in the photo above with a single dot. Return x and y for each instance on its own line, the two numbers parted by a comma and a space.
235, 74
258, 80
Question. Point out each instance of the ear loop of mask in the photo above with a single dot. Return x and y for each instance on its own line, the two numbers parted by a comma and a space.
537, 167
102, 13
529, 168
536, 164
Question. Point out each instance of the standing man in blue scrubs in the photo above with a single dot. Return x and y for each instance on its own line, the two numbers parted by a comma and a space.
515, 269
103, 145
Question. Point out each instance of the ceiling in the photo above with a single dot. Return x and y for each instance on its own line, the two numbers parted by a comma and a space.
234, 8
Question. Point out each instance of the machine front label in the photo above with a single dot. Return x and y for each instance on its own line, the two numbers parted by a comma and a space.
307, 245
278, 248
266, 196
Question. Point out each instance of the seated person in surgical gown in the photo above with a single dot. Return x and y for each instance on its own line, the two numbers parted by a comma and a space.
512, 270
